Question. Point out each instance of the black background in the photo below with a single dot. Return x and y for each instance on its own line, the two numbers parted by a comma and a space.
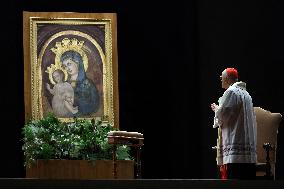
170, 56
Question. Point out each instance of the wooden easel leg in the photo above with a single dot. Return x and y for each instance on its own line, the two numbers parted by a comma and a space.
114, 171
138, 163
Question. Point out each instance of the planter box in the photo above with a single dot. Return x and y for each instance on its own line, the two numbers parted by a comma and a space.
80, 169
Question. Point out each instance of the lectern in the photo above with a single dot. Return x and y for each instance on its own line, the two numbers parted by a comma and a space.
131, 139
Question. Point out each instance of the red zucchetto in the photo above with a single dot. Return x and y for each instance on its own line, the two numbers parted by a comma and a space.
232, 73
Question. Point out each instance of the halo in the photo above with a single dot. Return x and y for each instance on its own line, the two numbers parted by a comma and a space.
52, 68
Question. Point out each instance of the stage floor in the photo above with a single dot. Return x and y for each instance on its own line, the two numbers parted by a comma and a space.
19, 183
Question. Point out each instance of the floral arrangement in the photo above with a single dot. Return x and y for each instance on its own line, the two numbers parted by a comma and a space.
83, 139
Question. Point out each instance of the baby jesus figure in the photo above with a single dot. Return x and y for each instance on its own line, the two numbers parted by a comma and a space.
63, 96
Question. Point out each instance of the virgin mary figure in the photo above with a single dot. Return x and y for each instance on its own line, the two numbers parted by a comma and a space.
86, 95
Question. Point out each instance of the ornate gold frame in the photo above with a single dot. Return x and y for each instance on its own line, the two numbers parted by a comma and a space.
33, 56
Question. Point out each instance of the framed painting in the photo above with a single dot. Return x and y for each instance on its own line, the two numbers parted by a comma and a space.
70, 66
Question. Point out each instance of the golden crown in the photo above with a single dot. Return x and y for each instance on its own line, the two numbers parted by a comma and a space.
67, 44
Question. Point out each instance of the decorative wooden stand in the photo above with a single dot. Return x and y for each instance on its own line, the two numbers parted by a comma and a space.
132, 139
80, 169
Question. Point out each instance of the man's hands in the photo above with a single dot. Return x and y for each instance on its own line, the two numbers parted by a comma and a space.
214, 107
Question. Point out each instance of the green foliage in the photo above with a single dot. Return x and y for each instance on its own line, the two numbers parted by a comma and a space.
83, 139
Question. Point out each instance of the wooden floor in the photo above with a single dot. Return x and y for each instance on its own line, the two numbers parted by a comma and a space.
137, 184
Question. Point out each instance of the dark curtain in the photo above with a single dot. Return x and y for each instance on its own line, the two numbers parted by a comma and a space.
170, 56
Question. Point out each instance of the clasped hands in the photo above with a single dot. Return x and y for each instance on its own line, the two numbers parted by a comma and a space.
214, 107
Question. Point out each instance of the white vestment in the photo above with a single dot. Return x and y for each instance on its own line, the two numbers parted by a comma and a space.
235, 116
